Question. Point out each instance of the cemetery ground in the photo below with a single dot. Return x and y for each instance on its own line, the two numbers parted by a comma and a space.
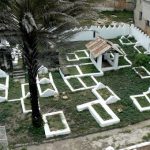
124, 82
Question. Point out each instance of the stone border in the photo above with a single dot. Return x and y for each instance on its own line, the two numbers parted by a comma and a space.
81, 74
85, 87
97, 117
77, 57
112, 99
121, 41
134, 147
24, 110
125, 66
138, 106
138, 73
5, 88
24, 95
48, 132
47, 92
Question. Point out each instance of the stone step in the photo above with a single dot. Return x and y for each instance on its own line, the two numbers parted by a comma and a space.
19, 77
18, 74
18, 71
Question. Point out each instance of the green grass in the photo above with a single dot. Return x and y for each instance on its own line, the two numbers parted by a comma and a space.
125, 40
122, 16
123, 82
102, 112
26, 89
105, 93
75, 83
146, 137
71, 56
143, 101
81, 54
122, 61
55, 122
27, 104
46, 86
2, 80
2, 93
88, 69
72, 70
14, 91
88, 81
141, 49
132, 39
148, 95
141, 71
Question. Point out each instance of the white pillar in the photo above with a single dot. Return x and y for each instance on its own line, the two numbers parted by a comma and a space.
99, 62
116, 60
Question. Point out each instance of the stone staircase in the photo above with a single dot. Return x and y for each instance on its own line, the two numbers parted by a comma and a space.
18, 74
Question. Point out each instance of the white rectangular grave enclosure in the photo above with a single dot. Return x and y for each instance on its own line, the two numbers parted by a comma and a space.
76, 55
137, 104
126, 43
25, 90
83, 84
103, 123
140, 74
23, 105
49, 91
4, 86
113, 98
48, 132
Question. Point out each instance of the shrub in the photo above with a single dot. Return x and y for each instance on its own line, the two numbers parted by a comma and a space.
141, 59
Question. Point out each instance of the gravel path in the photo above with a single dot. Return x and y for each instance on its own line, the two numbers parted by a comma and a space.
118, 138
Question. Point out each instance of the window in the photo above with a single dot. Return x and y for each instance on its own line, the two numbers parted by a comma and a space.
147, 23
140, 15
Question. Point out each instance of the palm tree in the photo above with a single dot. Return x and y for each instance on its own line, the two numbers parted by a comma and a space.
33, 22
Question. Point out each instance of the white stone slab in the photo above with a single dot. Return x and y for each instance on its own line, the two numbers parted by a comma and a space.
112, 99
48, 132
103, 123
141, 76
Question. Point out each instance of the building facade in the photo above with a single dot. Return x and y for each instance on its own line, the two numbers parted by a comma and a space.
142, 15
112, 5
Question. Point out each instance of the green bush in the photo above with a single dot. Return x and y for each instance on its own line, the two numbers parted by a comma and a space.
141, 59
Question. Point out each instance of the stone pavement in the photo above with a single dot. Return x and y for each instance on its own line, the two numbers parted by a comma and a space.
118, 138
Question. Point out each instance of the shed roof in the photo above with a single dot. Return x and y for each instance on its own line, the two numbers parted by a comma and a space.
100, 46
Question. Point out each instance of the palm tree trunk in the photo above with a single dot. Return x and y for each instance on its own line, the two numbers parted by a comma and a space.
36, 115
30, 54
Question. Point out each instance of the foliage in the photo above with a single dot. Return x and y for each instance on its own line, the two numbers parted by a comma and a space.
142, 59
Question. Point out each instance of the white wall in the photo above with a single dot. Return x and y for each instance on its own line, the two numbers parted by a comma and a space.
141, 37
110, 32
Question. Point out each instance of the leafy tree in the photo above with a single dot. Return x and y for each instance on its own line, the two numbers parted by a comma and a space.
35, 22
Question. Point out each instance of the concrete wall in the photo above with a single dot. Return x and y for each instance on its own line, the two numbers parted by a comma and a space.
140, 7
111, 5
110, 32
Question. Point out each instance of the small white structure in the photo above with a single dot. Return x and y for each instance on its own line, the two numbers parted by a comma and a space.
42, 70
16, 54
104, 54
48, 132
102, 122
113, 98
4, 86
51, 89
